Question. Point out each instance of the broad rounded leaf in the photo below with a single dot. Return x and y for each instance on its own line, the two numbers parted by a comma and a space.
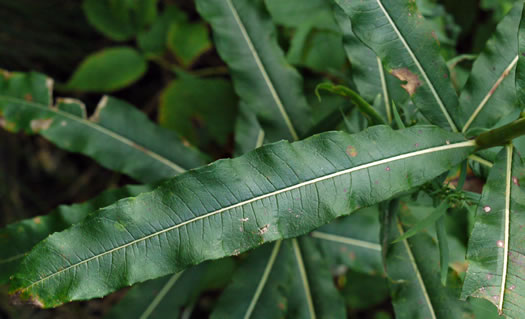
120, 19
278, 191
108, 70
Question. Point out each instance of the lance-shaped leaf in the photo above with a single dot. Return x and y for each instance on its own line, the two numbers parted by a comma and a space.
353, 241
397, 32
412, 267
368, 73
245, 38
496, 250
489, 94
520, 68
259, 286
278, 191
174, 295
288, 278
312, 294
17, 239
110, 135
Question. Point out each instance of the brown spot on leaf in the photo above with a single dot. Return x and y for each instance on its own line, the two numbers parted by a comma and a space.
351, 151
40, 124
264, 229
18, 299
411, 79
434, 35
37, 220
28, 97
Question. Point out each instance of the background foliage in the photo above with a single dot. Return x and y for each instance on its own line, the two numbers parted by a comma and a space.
160, 57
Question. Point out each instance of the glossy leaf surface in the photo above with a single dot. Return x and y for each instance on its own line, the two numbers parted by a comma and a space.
278, 191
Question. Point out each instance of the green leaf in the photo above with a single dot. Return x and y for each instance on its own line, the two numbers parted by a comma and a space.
312, 293
286, 278
407, 47
248, 132
210, 119
110, 135
167, 297
295, 13
428, 221
188, 41
490, 94
520, 68
495, 251
246, 40
367, 70
259, 286
17, 239
366, 109
443, 248
154, 40
353, 241
362, 291
277, 191
108, 70
120, 20
412, 268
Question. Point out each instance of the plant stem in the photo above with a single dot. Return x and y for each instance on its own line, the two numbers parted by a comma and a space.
502, 135
363, 106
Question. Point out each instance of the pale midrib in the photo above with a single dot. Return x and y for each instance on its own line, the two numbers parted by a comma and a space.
346, 240
262, 69
490, 93
158, 298
420, 67
304, 278
416, 270
469, 143
385, 90
101, 129
264, 279
507, 227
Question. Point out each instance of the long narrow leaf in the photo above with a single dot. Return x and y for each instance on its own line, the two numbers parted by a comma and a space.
489, 94
246, 40
17, 239
353, 241
278, 191
109, 136
397, 32
496, 249
413, 270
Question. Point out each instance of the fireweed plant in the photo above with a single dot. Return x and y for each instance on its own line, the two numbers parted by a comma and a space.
348, 176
